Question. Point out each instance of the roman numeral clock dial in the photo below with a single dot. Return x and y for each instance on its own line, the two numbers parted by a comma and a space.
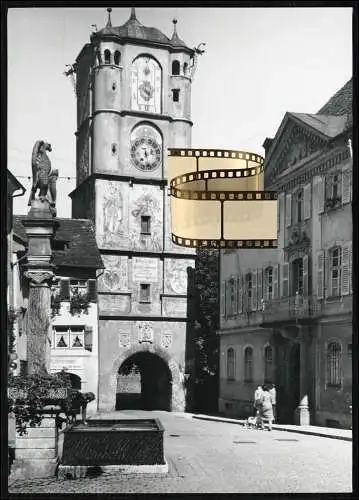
146, 149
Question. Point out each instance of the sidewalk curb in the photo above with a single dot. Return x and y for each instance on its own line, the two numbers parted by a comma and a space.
274, 427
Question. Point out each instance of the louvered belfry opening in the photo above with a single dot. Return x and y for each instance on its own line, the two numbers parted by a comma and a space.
144, 382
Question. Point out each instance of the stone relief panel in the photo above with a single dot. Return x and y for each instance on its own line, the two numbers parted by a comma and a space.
169, 245
115, 276
145, 331
125, 340
146, 201
114, 304
176, 275
174, 307
146, 270
166, 340
111, 214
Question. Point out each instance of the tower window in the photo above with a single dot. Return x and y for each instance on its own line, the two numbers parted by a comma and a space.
145, 289
145, 224
117, 58
175, 95
176, 68
113, 85
107, 55
185, 69
114, 149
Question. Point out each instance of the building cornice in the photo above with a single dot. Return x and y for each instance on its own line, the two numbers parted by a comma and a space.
304, 174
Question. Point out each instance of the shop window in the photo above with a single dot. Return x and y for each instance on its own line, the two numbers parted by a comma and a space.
268, 364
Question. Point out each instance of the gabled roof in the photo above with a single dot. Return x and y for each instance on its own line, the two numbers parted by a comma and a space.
329, 126
341, 102
77, 235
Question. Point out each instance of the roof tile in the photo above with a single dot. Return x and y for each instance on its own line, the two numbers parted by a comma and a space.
81, 249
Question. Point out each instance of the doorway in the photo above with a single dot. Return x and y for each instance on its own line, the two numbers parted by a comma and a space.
144, 382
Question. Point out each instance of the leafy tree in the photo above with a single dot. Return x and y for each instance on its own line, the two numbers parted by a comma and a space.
204, 323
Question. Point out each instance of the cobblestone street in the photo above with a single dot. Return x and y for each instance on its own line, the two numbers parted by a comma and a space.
214, 457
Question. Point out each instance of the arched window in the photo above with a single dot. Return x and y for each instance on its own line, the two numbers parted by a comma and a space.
268, 283
334, 364
107, 55
176, 68
268, 364
335, 261
117, 58
248, 364
185, 69
231, 364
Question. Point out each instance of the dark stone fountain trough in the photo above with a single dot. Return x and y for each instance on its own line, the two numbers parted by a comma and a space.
128, 446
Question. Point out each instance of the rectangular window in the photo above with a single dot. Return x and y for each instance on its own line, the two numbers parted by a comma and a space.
145, 292
68, 337
78, 286
335, 272
145, 224
175, 95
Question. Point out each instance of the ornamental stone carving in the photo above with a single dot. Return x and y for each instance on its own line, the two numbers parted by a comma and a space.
166, 340
144, 331
125, 340
39, 278
43, 178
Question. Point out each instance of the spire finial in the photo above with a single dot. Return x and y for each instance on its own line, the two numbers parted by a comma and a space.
174, 25
109, 10
133, 13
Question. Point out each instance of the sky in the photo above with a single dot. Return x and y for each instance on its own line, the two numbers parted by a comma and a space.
259, 64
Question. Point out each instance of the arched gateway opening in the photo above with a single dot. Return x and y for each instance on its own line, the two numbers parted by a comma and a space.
144, 382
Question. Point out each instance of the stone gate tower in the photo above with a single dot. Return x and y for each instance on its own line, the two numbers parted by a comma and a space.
133, 88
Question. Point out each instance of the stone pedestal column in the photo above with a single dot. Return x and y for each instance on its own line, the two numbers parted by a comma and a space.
302, 415
40, 227
36, 453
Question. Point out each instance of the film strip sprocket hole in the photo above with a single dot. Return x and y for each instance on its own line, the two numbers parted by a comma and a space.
218, 201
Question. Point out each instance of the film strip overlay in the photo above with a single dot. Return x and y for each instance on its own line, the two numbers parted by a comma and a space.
218, 201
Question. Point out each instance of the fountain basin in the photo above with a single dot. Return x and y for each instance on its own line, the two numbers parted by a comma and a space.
134, 442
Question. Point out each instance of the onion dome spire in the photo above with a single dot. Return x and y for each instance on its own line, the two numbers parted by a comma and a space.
109, 24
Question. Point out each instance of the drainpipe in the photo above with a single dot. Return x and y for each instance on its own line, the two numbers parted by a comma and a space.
98, 348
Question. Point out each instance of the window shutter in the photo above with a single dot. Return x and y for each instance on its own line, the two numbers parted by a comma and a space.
307, 201
327, 277
346, 186
259, 286
346, 250
235, 301
240, 295
223, 299
320, 275
65, 289
265, 285
350, 270
88, 338
285, 279
254, 291
321, 194
288, 210
92, 290
275, 280
305, 275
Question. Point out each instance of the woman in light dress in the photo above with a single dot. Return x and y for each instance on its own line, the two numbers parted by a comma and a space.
266, 408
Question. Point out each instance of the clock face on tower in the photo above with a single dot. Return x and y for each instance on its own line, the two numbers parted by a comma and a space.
146, 82
146, 148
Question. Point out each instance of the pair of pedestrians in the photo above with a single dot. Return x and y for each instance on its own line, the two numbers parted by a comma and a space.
265, 405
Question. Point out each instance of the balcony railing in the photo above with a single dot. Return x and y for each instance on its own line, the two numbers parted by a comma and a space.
291, 308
